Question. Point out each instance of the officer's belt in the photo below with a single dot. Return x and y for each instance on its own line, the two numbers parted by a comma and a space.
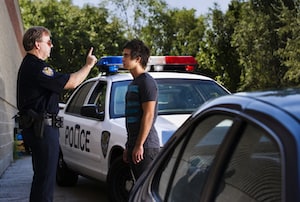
53, 120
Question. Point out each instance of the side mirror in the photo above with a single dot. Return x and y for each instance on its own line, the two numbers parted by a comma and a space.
93, 111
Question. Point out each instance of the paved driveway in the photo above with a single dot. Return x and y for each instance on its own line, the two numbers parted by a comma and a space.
15, 186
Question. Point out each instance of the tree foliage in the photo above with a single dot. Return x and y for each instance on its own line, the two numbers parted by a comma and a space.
253, 45
217, 57
256, 40
179, 32
290, 17
74, 30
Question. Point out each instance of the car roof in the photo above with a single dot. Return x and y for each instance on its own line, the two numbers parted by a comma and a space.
155, 75
158, 75
287, 100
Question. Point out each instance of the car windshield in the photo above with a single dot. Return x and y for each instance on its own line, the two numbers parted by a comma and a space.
176, 96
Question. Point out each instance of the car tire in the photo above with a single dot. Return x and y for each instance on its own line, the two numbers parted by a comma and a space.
64, 176
119, 181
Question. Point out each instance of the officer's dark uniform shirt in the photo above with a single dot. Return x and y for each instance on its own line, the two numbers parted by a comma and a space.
39, 86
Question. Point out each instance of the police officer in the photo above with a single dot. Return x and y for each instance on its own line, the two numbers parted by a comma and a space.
38, 90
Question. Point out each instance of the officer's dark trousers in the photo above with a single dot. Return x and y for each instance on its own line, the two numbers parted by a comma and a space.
44, 161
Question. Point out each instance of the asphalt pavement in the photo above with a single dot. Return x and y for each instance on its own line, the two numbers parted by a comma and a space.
15, 186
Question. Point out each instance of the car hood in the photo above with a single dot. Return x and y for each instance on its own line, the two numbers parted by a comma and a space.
165, 125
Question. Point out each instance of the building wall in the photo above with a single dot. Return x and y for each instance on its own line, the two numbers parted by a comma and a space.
11, 54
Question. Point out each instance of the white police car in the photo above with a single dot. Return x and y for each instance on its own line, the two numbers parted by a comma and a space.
94, 134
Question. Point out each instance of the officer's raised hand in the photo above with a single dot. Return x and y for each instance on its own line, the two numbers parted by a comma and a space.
78, 77
90, 58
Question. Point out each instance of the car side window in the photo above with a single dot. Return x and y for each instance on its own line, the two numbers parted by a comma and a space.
117, 100
98, 96
78, 99
254, 171
191, 160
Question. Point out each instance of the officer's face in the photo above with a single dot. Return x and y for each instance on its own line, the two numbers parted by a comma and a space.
44, 46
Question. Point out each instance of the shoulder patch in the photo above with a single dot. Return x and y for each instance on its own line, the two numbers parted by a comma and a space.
48, 71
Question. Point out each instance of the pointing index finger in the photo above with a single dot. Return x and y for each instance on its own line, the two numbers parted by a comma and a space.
91, 51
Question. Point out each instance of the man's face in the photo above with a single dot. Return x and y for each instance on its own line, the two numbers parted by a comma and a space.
129, 63
44, 46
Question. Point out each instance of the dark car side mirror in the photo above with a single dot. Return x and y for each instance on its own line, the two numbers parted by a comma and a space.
92, 111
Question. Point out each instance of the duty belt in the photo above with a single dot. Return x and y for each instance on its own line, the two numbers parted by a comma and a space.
53, 120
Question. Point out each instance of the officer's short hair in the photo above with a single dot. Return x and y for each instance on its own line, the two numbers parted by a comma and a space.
32, 35
138, 49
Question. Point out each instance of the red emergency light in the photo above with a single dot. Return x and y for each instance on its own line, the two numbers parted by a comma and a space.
172, 63
188, 60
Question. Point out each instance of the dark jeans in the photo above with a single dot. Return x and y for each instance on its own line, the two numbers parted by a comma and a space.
149, 155
44, 162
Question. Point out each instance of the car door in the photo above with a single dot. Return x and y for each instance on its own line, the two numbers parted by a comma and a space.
82, 136
222, 158
69, 136
183, 177
254, 171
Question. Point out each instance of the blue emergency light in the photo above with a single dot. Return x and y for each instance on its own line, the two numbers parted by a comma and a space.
110, 64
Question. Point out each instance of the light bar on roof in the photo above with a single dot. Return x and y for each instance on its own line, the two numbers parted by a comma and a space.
173, 63
157, 60
172, 60
110, 60
187, 60
110, 64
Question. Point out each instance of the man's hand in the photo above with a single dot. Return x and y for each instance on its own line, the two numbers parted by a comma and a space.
91, 59
137, 154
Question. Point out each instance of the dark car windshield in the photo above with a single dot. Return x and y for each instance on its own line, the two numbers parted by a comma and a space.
176, 96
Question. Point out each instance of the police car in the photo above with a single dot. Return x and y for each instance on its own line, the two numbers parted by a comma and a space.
93, 137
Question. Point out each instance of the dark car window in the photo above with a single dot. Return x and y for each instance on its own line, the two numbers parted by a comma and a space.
117, 99
98, 96
254, 171
175, 96
78, 99
185, 95
190, 166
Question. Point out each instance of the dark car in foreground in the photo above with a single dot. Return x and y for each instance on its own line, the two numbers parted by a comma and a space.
237, 148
